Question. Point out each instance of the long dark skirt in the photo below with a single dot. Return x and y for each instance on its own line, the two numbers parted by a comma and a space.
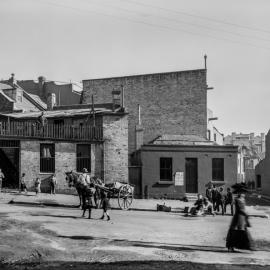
240, 239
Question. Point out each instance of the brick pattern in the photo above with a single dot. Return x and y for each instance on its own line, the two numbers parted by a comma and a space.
172, 103
115, 130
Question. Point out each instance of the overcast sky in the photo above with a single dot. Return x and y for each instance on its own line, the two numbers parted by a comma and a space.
83, 39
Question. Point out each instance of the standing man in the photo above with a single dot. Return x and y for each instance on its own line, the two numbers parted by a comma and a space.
214, 196
2, 176
208, 193
229, 200
220, 200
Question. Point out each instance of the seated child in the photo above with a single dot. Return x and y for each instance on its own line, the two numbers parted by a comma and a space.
198, 206
208, 207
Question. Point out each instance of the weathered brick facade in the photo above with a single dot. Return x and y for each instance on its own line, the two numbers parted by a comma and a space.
171, 103
109, 160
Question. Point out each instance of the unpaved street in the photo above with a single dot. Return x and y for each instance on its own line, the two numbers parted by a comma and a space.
47, 237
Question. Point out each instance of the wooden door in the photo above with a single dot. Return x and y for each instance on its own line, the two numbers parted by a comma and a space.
191, 175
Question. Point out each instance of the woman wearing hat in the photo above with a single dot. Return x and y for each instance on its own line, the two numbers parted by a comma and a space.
238, 235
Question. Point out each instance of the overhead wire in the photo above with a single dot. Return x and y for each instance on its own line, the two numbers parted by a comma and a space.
188, 23
156, 25
200, 17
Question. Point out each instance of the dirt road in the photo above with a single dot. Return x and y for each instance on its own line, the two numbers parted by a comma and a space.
48, 238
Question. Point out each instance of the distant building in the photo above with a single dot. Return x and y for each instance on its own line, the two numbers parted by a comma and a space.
65, 93
262, 170
212, 132
14, 98
251, 151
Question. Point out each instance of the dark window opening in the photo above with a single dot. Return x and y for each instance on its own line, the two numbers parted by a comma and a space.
165, 169
47, 158
258, 181
83, 157
218, 169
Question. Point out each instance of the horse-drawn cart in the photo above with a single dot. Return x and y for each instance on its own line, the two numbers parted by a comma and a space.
123, 192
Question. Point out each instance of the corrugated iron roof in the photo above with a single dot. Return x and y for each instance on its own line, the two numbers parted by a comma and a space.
170, 139
59, 114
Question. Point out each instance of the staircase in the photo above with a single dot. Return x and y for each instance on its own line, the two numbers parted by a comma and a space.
192, 197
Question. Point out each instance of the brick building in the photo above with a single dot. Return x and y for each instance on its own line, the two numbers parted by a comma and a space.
72, 138
177, 165
65, 93
173, 102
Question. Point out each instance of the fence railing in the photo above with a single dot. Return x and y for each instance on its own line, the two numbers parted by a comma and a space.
50, 131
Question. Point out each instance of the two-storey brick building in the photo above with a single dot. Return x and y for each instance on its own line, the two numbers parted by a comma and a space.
72, 138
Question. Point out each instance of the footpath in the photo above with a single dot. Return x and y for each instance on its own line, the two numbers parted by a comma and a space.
72, 201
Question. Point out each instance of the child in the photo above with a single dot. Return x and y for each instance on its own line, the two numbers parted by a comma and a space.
53, 183
23, 185
88, 204
37, 186
105, 204
208, 207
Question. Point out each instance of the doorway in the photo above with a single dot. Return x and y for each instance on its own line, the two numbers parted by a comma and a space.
191, 175
9, 163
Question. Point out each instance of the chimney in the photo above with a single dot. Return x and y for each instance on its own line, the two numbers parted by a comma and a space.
12, 79
51, 101
41, 87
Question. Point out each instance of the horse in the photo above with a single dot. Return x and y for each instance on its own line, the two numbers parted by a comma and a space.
73, 179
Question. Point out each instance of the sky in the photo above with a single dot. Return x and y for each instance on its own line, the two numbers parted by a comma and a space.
73, 40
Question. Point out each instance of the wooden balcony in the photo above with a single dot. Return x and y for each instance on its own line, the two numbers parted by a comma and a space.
30, 130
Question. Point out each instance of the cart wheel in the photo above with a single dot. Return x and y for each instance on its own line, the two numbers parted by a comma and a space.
125, 197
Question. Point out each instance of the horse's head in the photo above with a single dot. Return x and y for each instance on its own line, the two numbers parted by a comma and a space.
70, 178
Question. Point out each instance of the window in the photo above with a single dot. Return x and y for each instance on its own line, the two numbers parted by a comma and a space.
83, 157
47, 158
218, 169
165, 169
258, 181
215, 137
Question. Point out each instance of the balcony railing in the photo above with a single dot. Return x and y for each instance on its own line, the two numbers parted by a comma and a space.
50, 131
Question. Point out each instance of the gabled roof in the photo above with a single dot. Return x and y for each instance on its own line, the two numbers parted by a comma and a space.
34, 99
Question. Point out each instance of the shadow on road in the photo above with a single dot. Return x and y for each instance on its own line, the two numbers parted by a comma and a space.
127, 265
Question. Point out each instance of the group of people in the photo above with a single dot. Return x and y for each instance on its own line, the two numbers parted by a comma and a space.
37, 184
219, 199
89, 195
238, 235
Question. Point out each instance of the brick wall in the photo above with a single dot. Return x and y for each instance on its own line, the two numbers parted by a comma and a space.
65, 160
115, 148
172, 103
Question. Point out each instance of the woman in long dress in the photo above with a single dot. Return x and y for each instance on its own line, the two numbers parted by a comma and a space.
238, 235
